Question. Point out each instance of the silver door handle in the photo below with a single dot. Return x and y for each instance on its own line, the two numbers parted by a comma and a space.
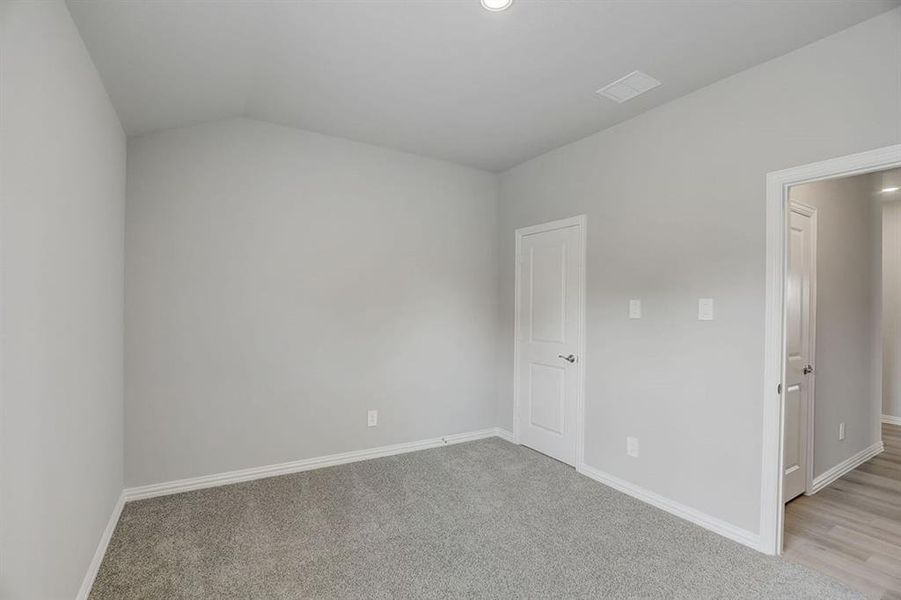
571, 358
807, 370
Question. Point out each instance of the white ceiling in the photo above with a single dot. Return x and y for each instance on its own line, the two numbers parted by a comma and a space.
441, 78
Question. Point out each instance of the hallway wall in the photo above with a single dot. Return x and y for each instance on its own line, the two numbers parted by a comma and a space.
848, 356
891, 244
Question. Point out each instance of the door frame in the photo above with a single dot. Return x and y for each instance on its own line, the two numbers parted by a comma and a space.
811, 213
772, 510
582, 222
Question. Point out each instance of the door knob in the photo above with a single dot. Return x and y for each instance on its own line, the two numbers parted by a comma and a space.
807, 370
571, 358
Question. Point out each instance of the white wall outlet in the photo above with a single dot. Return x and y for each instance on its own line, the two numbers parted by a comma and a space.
841, 431
705, 309
372, 418
632, 446
635, 309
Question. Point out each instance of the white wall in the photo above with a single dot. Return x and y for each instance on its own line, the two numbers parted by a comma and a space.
891, 302
280, 283
848, 365
675, 201
62, 178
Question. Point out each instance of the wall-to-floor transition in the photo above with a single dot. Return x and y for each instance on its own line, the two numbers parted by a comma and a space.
282, 283
62, 182
848, 530
675, 201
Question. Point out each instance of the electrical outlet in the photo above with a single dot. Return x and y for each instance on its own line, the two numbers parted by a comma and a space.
705, 309
372, 418
841, 431
632, 446
635, 309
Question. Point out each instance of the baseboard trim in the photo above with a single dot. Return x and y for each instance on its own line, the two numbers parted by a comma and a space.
94, 566
846, 466
728, 530
504, 434
891, 420
207, 481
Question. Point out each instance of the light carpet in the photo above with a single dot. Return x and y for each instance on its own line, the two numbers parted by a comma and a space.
486, 519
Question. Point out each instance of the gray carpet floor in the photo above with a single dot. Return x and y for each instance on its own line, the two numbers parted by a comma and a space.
486, 519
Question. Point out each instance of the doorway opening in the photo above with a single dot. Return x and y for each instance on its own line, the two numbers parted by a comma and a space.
843, 269
832, 366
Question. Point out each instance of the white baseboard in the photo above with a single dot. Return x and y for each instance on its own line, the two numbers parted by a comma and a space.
504, 434
719, 526
88, 581
737, 534
891, 420
297, 466
846, 466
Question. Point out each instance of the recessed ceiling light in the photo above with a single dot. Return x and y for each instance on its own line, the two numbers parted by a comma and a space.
496, 5
889, 189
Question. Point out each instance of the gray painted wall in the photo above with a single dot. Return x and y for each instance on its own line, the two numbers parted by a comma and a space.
280, 283
848, 332
63, 200
891, 318
675, 201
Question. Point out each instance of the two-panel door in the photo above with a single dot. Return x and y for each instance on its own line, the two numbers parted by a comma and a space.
548, 340
800, 314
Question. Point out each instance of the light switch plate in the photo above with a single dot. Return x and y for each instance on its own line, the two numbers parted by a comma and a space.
635, 309
705, 309
372, 418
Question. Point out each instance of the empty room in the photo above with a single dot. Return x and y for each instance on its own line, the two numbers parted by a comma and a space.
345, 299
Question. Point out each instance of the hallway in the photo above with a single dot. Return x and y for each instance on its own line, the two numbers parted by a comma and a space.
851, 530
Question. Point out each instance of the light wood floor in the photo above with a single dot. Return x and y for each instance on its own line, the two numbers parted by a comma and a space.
851, 530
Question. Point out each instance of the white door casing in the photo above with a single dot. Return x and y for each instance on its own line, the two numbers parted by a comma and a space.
800, 346
549, 338
778, 183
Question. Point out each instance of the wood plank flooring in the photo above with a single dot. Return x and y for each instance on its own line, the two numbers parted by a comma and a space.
851, 530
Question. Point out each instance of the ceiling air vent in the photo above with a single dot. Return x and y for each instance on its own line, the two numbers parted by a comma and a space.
626, 88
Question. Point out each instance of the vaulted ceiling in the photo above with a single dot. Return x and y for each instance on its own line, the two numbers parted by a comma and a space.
441, 78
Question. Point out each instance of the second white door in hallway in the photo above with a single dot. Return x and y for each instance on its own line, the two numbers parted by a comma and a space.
800, 334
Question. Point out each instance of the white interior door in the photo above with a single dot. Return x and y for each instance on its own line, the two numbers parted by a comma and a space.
800, 330
548, 338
